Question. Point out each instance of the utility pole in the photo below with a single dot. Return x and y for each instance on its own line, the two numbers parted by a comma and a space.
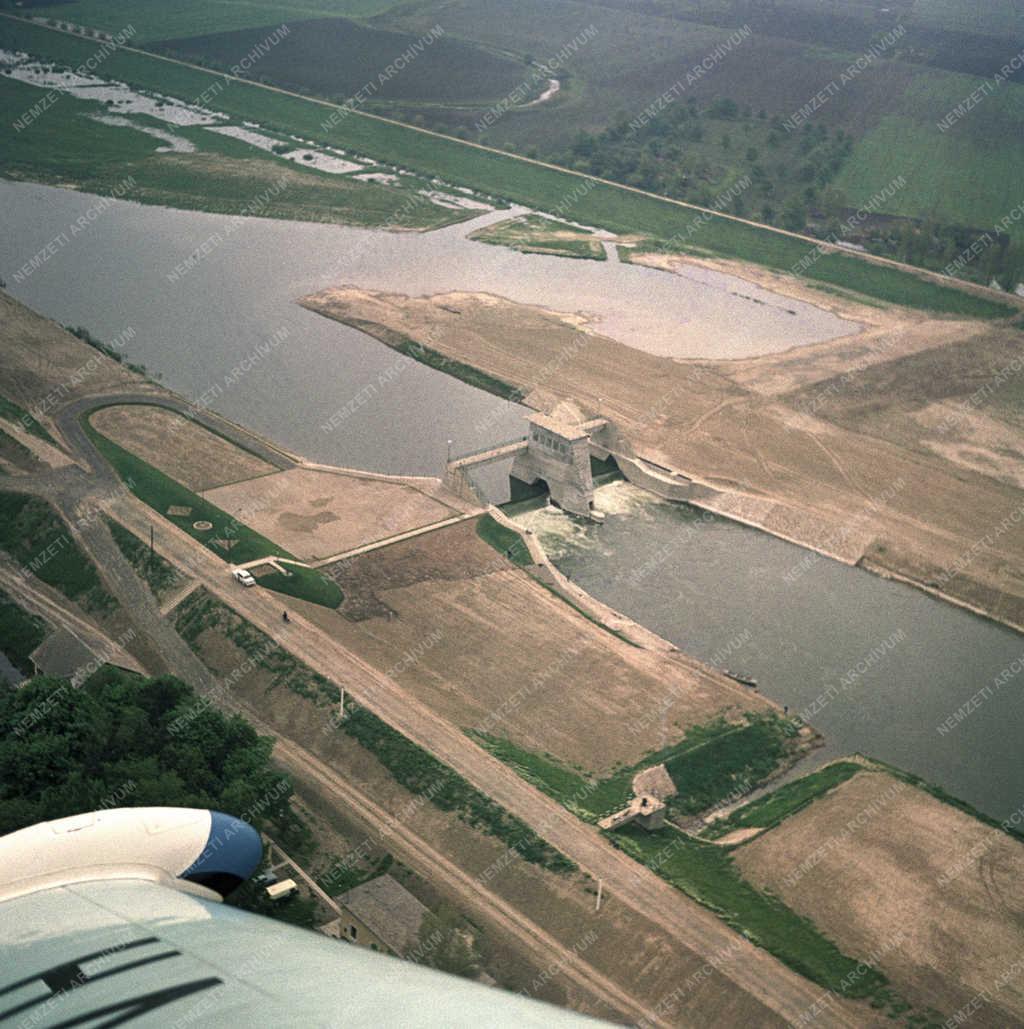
151, 544
600, 891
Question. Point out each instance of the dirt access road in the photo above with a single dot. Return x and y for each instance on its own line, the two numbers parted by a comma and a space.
751, 969
70, 492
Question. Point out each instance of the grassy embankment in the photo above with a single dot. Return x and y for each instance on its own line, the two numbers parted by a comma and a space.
712, 763
509, 543
37, 538
20, 633
706, 872
516, 179
505, 540
534, 234
434, 358
160, 575
708, 765
161, 493
415, 769
947, 798
13, 413
769, 811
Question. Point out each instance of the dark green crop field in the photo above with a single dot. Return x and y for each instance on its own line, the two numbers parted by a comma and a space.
614, 58
795, 49
336, 58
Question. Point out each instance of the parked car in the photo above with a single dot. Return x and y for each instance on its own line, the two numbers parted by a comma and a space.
244, 577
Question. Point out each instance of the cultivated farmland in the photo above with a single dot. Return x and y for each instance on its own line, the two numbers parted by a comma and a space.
496, 174
898, 873
336, 58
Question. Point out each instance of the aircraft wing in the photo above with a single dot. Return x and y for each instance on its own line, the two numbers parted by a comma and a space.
129, 938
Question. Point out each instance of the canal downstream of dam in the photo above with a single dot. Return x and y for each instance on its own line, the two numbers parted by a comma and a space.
877, 666
893, 664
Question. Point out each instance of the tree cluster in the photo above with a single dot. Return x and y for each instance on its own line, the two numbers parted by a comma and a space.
123, 741
694, 153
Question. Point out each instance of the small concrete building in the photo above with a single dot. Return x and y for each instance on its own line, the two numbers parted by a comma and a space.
558, 451
651, 788
380, 914
648, 812
282, 890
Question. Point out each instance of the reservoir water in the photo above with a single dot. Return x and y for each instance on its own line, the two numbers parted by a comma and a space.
721, 591
194, 330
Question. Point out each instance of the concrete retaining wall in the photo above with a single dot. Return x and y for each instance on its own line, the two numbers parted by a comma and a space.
666, 485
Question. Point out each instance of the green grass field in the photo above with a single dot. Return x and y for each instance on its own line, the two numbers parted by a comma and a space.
67, 147
501, 175
336, 58
708, 765
305, 584
435, 359
952, 177
531, 234
796, 48
161, 492
505, 540
37, 538
768, 811
13, 413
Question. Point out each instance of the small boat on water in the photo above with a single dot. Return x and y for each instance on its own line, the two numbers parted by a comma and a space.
744, 680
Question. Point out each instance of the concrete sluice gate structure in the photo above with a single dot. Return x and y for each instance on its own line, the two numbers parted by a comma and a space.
558, 451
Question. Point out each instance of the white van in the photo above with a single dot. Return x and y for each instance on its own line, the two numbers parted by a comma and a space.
244, 577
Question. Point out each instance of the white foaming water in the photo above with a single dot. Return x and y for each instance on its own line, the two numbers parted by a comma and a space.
561, 534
